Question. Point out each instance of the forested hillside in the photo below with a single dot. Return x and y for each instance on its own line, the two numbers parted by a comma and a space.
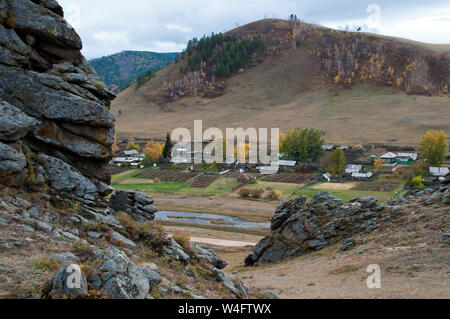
119, 70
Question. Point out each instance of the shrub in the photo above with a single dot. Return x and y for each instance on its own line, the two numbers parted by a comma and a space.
99, 85
44, 262
417, 181
244, 192
257, 192
156, 181
273, 194
183, 240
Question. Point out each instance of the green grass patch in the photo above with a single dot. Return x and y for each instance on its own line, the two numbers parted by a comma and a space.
163, 187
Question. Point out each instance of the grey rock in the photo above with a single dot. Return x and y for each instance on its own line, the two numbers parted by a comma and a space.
153, 277
11, 160
270, 294
317, 244
42, 23
121, 278
33, 211
445, 238
53, 6
48, 96
122, 240
63, 177
75, 78
175, 251
3, 222
348, 243
61, 286
136, 203
208, 255
94, 235
177, 290
70, 236
162, 291
27, 228
43, 226
10, 40
368, 202
231, 283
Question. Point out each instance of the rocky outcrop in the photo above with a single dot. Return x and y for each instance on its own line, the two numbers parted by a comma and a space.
138, 204
53, 106
298, 227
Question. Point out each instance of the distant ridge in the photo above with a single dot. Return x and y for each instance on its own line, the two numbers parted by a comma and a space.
119, 70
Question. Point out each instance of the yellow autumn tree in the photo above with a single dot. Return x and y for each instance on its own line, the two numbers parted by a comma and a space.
242, 151
115, 145
378, 164
433, 147
132, 146
153, 150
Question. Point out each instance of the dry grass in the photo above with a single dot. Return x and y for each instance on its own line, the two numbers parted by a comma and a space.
287, 92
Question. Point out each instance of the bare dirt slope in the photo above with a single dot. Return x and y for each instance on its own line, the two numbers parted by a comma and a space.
288, 90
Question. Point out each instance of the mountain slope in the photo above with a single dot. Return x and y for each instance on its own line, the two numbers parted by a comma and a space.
122, 68
355, 87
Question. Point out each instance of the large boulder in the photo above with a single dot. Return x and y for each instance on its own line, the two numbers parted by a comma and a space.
120, 277
207, 255
62, 286
51, 99
64, 178
298, 227
138, 204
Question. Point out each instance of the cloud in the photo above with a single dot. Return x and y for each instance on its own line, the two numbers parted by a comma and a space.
179, 28
110, 26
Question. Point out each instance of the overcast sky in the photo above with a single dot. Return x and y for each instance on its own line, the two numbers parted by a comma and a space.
111, 26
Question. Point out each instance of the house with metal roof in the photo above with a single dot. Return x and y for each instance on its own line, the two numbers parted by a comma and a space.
389, 157
353, 168
406, 158
362, 176
439, 173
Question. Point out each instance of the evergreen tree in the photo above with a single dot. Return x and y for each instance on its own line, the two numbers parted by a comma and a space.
167, 150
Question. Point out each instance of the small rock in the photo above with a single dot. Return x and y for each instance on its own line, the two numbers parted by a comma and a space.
122, 239
94, 235
445, 238
349, 243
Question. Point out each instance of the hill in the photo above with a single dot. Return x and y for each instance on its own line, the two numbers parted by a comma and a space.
355, 87
119, 70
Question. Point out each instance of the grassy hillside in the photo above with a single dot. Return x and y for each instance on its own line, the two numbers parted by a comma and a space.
345, 84
122, 68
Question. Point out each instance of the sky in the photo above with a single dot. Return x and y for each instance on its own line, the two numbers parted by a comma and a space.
110, 26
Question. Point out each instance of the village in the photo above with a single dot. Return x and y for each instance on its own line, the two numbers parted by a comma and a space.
384, 172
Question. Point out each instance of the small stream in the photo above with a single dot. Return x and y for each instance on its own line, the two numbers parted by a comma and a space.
209, 219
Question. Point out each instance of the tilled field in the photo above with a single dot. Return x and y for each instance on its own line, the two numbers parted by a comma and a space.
167, 175
289, 178
204, 181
